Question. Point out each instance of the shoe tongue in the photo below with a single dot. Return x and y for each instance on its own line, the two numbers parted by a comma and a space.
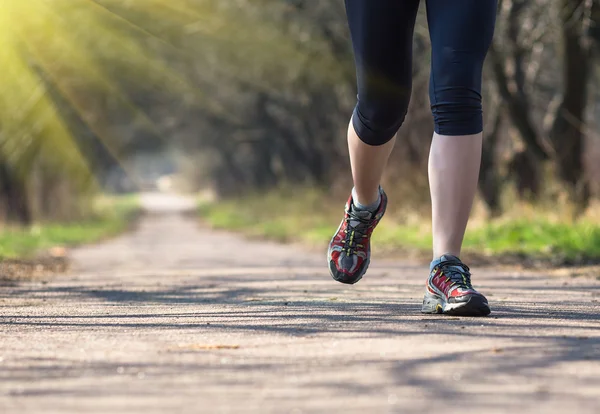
363, 214
458, 269
448, 258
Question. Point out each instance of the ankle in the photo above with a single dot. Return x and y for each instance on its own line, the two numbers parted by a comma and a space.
371, 205
450, 252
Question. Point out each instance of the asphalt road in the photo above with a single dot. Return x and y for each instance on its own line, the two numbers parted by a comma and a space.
176, 318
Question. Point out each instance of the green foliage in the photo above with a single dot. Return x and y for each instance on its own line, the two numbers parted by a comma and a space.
112, 216
279, 216
540, 237
308, 217
255, 92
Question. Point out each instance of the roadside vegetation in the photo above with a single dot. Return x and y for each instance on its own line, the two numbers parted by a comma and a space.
524, 233
110, 216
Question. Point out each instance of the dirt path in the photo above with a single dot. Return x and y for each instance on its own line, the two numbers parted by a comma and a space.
135, 327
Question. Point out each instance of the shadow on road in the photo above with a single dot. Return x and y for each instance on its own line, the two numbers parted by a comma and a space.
530, 339
314, 310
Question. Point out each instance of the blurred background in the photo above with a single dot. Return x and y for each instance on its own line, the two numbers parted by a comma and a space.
249, 101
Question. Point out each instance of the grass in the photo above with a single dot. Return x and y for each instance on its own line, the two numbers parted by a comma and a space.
524, 233
112, 215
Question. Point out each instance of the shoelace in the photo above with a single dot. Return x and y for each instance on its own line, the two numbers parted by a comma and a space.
354, 234
458, 278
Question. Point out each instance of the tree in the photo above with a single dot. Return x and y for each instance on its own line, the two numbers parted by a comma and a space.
568, 129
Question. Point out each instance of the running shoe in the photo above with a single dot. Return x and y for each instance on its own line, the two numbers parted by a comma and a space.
449, 290
349, 252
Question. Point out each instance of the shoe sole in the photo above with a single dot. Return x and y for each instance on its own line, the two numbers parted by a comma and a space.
475, 306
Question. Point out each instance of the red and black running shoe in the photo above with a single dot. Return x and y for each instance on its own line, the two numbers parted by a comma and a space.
349, 252
449, 290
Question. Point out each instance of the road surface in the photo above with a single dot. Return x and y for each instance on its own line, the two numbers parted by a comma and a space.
177, 318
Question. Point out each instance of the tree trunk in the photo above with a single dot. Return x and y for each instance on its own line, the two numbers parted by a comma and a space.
525, 172
567, 133
595, 26
512, 89
490, 183
14, 192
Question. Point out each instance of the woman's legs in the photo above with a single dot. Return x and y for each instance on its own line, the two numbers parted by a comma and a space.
367, 163
453, 172
461, 33
382, 34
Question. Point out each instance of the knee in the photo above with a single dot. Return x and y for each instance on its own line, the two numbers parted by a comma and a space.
455, 94
376, 121
458, 113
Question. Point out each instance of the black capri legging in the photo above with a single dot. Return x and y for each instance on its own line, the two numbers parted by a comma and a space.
461, 32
